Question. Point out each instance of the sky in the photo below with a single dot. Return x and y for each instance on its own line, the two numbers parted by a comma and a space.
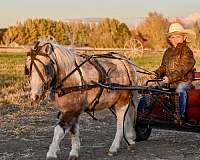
13, 11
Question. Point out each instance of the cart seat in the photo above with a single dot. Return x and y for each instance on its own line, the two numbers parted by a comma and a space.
193, 105
196, 79
195, 75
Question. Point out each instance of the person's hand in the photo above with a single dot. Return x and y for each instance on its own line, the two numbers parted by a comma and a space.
166, 80
152, 76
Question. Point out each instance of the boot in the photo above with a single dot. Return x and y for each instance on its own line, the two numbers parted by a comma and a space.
177, 116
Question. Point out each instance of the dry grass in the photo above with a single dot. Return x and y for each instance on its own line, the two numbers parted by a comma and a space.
14, 92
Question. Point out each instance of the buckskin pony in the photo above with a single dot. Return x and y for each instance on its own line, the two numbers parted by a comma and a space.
71, 80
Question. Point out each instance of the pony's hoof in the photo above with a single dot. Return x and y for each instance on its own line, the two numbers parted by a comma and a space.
51, 158
131, 147
73, 158
111, 154
54, 157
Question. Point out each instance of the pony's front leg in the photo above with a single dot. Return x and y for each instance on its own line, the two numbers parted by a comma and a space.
54, 148
119, 134
74, 153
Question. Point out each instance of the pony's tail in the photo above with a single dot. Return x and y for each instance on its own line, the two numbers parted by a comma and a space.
134, 96
133, 108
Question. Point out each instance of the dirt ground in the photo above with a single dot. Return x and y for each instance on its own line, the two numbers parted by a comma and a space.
30, 137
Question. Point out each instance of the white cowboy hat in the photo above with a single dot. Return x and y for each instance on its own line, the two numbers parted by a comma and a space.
177, 28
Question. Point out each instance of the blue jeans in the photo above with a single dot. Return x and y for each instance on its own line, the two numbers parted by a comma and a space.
182, 91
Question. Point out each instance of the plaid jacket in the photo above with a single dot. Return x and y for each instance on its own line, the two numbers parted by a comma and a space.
177, 64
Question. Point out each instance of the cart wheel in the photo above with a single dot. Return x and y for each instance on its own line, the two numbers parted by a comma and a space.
133, 48
143, 131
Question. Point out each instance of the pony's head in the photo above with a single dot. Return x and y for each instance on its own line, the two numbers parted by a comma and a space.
41, 68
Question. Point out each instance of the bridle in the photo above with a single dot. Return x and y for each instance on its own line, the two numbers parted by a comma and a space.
50, 69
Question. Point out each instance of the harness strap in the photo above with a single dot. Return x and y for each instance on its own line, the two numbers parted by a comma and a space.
39, 73
92, 115
87, 59
102, 79
111, 55
116, 86
64, 91
80, 73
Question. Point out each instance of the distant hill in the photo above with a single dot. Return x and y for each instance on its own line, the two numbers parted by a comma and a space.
135, 21
85, 20
194, 17
130, 22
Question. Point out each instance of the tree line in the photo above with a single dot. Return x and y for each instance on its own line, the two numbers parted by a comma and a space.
109, 33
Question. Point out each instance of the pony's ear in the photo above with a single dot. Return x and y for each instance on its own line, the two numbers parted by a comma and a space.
36, 45
46, 49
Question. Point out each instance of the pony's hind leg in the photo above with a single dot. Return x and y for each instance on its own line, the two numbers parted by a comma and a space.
120, 112
129, 129
54, 148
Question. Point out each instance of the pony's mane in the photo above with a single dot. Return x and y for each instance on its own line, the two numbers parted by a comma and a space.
64, 56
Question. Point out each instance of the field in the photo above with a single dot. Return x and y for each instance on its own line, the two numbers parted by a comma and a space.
25, 126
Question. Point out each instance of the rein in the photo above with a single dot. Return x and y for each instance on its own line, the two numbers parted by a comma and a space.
91, 59
115, 86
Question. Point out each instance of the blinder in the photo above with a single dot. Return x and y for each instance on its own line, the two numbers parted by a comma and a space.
51, 75
48, 68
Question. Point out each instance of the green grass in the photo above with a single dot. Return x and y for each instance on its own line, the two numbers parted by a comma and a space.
149, 61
